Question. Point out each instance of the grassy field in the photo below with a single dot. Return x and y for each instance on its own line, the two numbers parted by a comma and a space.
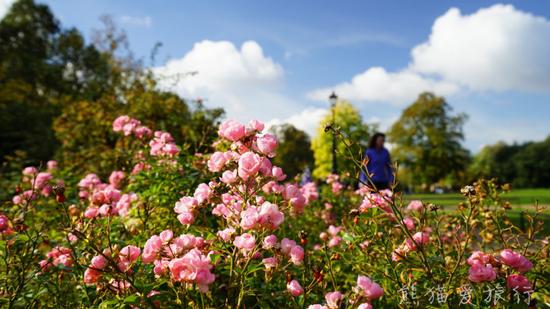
522, 200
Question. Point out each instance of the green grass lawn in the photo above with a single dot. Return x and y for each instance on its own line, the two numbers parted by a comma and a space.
520, 199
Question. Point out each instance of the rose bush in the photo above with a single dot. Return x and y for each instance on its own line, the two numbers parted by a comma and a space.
227, 229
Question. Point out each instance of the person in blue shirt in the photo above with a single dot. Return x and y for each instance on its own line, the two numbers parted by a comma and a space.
379, 163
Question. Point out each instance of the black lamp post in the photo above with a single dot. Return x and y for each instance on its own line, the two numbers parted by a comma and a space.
333, 98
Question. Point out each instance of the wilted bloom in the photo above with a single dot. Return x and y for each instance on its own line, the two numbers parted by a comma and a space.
294, 288
515, 260
333, 299
369, 288
519, 283
480, 273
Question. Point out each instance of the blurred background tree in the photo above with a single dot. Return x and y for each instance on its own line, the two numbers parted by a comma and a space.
294, 152
351, 124
59, 95
427, 140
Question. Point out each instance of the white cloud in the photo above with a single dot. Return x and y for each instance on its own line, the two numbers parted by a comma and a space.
376, 84
145, 21
307, 120
245, 82
5, 7
497, 48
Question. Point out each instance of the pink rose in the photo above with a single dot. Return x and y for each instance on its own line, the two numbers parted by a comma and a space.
245, 242
415, 205
254, 126
297, 255
369, 288
287, 245
479, 273
249, 165
202, 193
479, 257
269, 242
99, 262
333, 299
267, 144
217, 161
229, 177
91, 276
519, 283
277, 173
232, 130
294, 288
116, 178
270, 216
365, 306
515, 260
249, 218
409, 223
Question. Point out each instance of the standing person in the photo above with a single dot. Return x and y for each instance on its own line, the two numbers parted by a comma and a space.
379, 163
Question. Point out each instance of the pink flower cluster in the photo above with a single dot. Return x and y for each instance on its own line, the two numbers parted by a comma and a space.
163, 145
57, 256
38, 182
124, 261
483, 268
181, 258
331, 235
105, 199
129, 126
375, 200
335, 184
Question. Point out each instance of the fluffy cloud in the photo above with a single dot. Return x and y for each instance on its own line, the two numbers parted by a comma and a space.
307, 120
497, 48
245, 82
5, 6
378, 85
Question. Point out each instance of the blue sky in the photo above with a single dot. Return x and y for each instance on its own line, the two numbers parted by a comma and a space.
276, 60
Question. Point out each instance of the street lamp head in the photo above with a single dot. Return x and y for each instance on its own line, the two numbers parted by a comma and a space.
333, 98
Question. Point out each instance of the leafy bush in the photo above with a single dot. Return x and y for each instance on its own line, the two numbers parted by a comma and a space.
171, 228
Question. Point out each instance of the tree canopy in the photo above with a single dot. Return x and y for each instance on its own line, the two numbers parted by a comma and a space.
427, 141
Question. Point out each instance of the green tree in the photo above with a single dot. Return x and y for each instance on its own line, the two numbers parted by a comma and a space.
294, 151
41, 66
350, 123
427, 141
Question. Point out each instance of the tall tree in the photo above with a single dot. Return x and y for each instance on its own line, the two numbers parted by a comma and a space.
41, 66
294, 152
350, 123
427, 141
